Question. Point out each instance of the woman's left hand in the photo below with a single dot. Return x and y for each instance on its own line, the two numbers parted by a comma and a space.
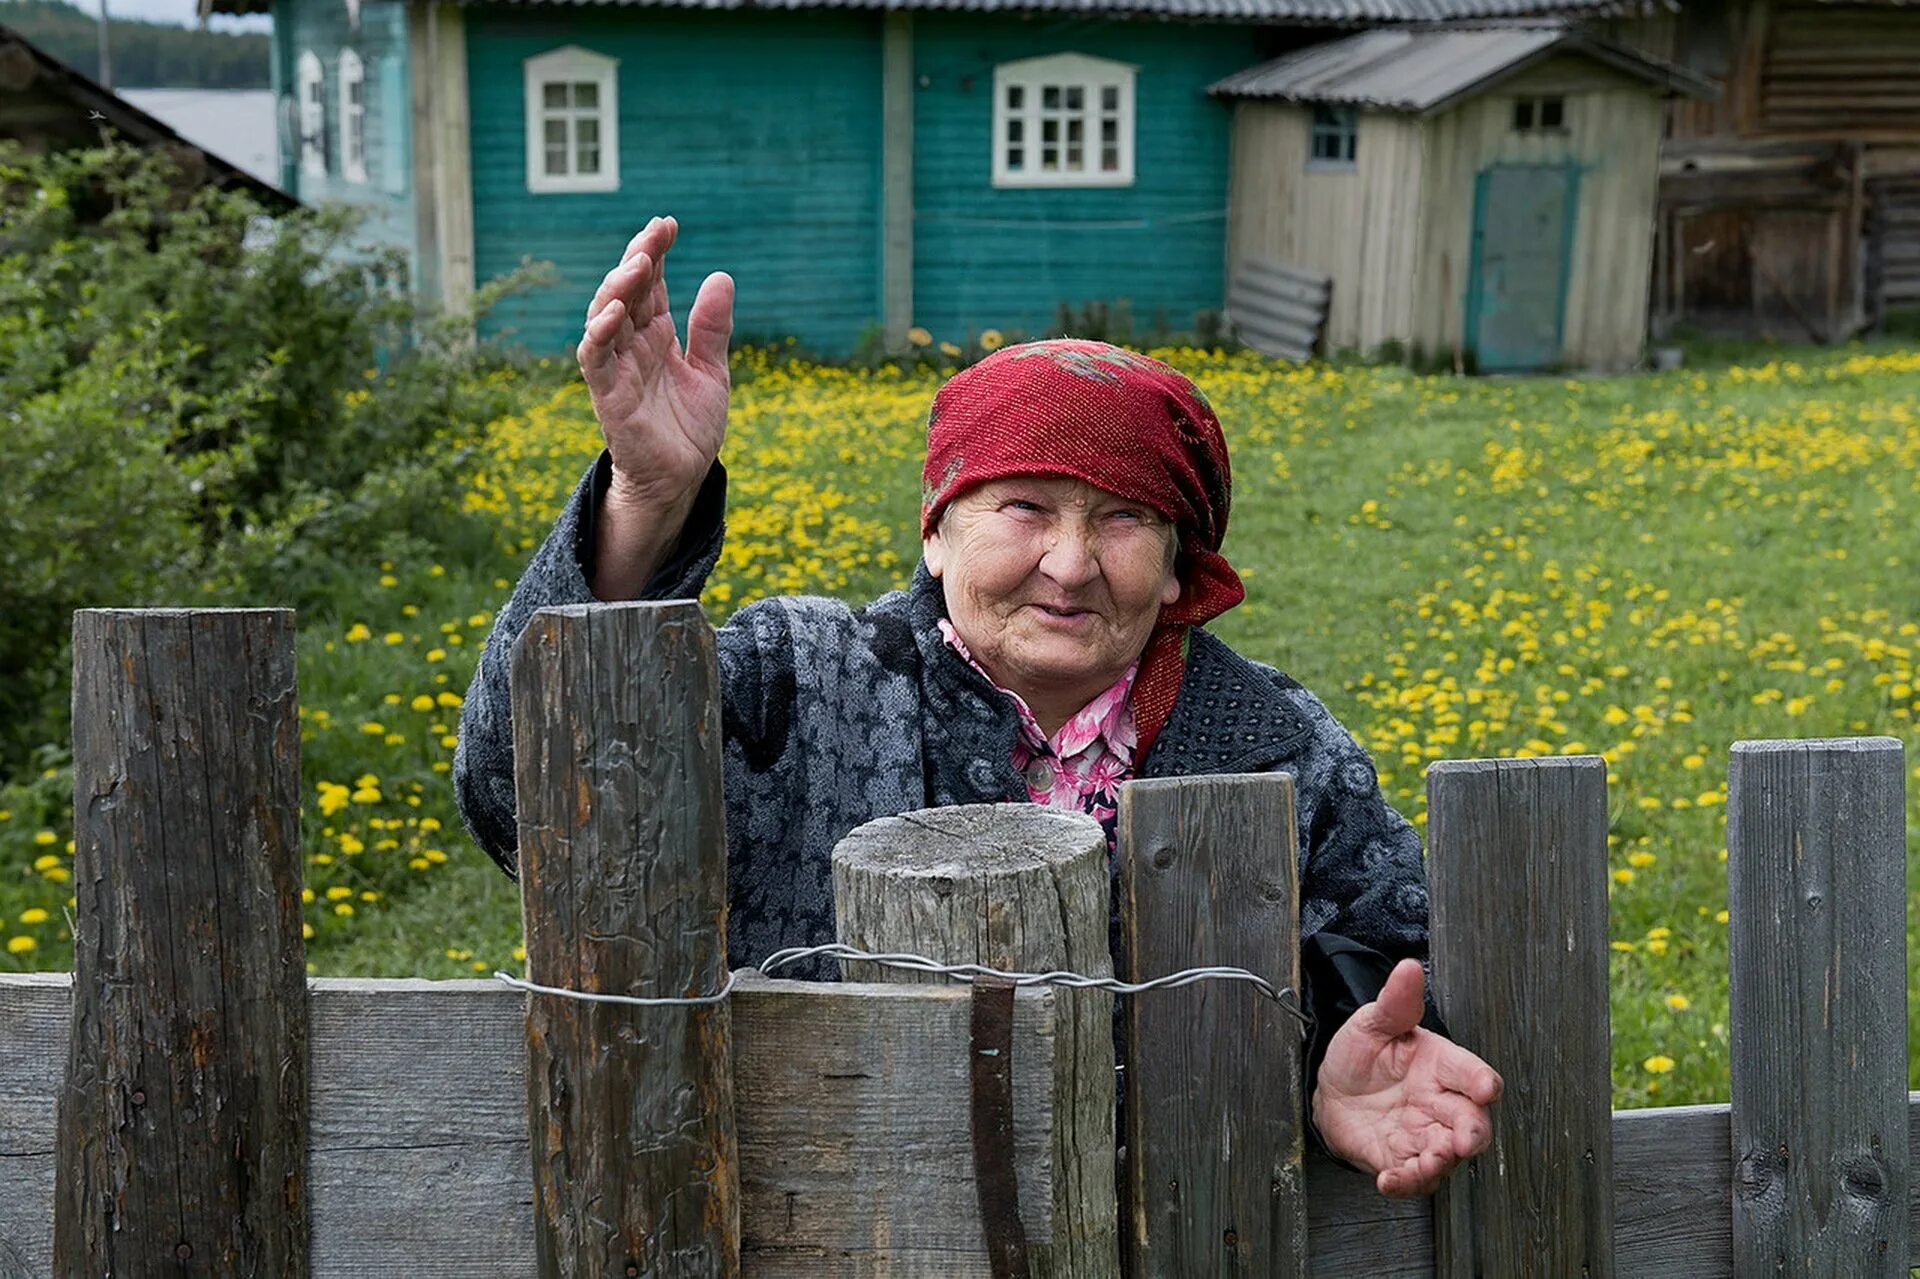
1398, 1100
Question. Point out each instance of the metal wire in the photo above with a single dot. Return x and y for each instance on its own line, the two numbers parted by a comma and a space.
1282, 995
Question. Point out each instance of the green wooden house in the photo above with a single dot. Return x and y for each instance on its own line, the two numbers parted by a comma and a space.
860, 167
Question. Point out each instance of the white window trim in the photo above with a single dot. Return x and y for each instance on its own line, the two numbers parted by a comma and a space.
353, 120
312, 114
1066, 70
573, 64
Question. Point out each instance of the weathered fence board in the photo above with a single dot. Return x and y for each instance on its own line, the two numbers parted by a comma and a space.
1208, 876
623, 876
183, 1118
1817, 895
419, 1095
1013, 886
1518, 866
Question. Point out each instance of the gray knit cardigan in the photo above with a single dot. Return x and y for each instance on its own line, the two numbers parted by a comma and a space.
837, 715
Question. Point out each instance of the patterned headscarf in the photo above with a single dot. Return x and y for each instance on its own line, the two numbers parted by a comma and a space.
1122, 422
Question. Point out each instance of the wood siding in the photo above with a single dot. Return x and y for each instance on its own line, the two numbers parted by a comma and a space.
760, 132
1358, 225
1613, 137
322, 27
1007, 258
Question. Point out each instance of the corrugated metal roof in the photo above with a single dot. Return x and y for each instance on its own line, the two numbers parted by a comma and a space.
1419, 70
1342, 13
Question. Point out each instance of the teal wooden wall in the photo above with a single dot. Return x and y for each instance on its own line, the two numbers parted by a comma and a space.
759, 131
1005, 258
386, 196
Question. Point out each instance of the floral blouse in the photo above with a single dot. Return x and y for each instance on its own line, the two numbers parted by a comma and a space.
1082, 766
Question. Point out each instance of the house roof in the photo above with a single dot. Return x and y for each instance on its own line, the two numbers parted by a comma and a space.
1427, 68
28, 73
1341, 13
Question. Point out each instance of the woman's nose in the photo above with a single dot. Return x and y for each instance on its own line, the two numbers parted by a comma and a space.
1071, 558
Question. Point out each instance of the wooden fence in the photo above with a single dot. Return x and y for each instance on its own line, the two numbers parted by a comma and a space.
189, 1103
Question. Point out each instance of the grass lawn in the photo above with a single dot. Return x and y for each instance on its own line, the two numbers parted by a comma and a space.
1647, 568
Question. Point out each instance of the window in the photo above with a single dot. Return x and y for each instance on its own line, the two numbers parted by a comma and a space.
313, 116
573, 121
1540, 115
1335, 137
1063, 121
353, 117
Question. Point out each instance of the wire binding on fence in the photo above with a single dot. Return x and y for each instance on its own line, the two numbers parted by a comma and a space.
1282, 995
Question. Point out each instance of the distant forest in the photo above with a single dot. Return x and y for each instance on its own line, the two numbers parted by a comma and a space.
146, 55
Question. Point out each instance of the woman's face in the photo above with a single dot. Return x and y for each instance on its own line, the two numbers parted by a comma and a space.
1054, 585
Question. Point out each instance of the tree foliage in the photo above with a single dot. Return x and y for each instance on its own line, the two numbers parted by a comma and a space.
147, 55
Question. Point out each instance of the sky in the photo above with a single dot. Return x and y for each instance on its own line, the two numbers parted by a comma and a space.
180, 13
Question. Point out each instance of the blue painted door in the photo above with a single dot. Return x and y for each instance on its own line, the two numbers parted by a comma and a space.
1522, 249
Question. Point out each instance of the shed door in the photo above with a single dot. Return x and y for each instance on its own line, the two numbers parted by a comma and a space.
1522, 247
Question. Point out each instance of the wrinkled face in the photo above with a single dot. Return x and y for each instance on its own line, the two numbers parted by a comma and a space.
1053, 584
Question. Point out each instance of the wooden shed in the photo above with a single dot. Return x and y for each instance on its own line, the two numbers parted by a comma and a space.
1485, 194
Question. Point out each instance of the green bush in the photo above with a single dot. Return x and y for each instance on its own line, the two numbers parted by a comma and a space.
203, 403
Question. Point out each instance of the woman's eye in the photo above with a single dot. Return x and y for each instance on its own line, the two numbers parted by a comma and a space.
1021, 504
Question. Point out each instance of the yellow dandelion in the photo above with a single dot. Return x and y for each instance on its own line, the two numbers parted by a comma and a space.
918, 336
20, 945
1679, 1003
1658, 1065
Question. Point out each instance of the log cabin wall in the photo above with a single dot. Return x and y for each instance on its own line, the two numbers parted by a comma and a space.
1790, 206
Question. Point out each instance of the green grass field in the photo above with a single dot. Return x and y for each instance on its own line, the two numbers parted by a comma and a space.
1647, 568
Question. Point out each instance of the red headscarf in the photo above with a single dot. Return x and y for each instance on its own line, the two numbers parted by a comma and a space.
1122, 422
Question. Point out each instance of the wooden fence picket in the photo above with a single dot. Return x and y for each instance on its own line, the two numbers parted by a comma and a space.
183, 1120
1817, 899
623, 874
1518, 866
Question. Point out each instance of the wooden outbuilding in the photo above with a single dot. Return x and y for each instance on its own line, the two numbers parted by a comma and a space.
1484, 195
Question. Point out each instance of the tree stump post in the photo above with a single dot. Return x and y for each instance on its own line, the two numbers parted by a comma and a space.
183, 1134
623, 873
1016, 887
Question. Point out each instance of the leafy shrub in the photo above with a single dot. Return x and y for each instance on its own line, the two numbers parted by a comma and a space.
194, 408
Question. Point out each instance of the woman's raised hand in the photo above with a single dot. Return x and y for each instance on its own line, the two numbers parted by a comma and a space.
662, 410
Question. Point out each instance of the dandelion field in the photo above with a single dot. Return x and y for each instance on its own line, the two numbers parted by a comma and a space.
1644, 568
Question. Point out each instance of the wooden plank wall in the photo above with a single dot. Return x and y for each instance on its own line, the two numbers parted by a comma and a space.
1613, 135
1358, 225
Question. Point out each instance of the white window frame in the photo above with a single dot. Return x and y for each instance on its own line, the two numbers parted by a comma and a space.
1343, 126
571, 65
312, 114
353, 117
1020, 129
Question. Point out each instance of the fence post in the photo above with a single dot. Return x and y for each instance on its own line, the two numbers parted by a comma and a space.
622, 833
1213, 1080
183, 1120
1014, 886
1518, 867
1817, 895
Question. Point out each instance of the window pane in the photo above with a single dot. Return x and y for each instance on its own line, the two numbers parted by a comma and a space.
1076, 130
1076, 98
1016, 159
1050, 97
553, 96
1016, 97
1552, 113
1050, 158
586, 96
1351, 141
1109, 131
356, 93
1049, 130
556, 133
1523, 113
1110, 97
1016, 130
589, 160
1110, 159
587, 131
557, 162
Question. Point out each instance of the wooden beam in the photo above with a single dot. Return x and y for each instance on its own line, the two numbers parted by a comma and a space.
1015, 887
183, 1116
896, 179
1817, 894
1518, 864
1214, 1080
623, 877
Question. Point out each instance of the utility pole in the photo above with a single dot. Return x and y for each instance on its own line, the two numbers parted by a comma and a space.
106, 53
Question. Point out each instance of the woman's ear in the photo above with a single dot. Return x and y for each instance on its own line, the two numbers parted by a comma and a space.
933, 549
1171, 591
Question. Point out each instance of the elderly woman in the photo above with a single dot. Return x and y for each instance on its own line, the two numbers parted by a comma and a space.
1050, 648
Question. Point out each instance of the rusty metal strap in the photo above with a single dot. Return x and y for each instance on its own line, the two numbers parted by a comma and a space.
990, 1070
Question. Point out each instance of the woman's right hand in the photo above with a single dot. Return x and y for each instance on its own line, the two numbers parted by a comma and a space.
662, 411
